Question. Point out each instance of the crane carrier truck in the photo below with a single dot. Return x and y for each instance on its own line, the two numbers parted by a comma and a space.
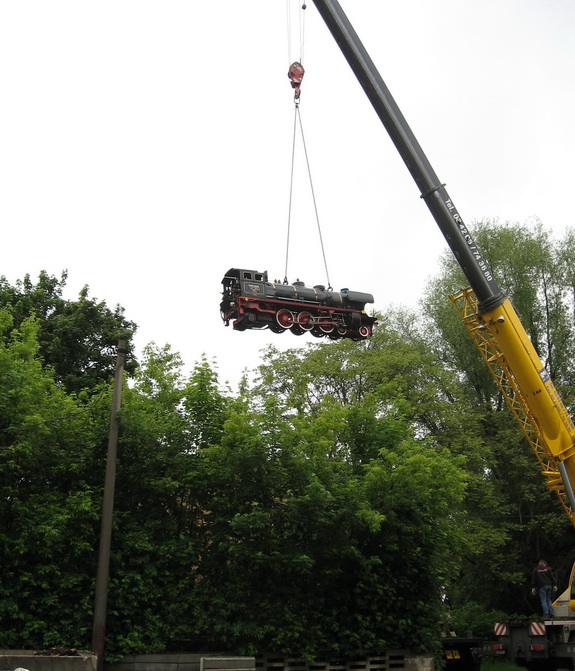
505, 347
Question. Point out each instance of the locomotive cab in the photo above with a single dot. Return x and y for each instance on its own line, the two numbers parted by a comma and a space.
248, 281
239, 282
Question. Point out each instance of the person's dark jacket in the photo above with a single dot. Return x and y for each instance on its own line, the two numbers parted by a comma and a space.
542, 575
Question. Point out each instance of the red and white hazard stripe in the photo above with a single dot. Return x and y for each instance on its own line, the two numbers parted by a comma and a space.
501, 629
537, 628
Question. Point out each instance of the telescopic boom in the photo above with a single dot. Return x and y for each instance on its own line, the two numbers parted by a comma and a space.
509, 351
432, 190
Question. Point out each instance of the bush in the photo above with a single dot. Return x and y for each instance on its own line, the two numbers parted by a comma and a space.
473, 619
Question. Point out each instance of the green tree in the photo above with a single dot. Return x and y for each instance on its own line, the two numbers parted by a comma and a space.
535, 271
167, 422
48, 515
354, 412
77, 338
307, 554
397, 374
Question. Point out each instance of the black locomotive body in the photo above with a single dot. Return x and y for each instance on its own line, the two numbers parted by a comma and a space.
251, 301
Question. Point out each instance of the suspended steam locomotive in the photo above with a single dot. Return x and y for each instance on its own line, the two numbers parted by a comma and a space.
252, 302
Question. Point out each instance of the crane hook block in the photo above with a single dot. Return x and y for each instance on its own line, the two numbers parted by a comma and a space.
295, 74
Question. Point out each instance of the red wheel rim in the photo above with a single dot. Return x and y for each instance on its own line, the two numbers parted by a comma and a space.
285, 319
305, 320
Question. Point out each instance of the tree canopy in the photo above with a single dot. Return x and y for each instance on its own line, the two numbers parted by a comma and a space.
322, 509
76, 338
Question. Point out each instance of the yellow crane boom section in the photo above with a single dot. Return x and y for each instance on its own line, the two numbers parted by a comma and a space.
528, 390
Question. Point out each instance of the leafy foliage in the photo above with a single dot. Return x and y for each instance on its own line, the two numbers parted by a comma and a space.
77, 338
47, 506
535, 271
323, 510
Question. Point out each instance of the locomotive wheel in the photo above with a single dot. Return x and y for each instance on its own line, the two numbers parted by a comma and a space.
305, 321
327, 328
285, 319
363, 331
341, 330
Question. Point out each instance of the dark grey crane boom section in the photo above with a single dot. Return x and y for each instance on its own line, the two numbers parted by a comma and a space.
433, 192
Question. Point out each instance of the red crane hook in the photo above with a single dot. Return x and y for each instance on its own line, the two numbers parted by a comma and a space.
295, 74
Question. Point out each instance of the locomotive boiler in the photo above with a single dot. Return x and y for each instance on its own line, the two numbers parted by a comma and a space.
251, 301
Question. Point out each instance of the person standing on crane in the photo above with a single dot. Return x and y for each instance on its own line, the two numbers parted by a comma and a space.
543, 583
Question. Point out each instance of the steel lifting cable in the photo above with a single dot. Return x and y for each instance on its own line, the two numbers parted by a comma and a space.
295, 74
301, 21
301, 31
290, 195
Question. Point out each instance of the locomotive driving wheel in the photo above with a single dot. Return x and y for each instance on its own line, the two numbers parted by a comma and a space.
305, 321
326, 328
285, 318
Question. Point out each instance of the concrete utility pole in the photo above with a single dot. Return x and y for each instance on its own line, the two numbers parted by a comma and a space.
99, 628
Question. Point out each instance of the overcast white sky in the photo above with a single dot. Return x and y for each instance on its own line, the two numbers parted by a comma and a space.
145, 147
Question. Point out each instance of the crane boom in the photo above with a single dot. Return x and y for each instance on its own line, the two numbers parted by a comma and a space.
433, 192
494, 312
